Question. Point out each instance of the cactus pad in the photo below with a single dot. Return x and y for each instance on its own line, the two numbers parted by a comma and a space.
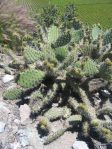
12, 94
30, 78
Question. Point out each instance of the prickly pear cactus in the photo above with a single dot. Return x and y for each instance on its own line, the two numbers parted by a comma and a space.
90, 68
12, 94
53, 34
63, 40
96, 31
61, 53
77, 35
31, 55
106, 70
30, 78
108, 37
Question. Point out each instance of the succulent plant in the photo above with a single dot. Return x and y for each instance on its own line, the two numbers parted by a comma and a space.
53, 34
77, 35
31, 55
57, 112
96, 31
12, 93
30, 78
44, 124
86, 111
102, 133
54, 136
61, 53
62, 40
90, 68
85, 129
108, 37
73, 120
106, 70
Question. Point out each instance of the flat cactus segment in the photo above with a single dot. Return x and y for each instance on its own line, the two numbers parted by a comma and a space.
55, 135
96, 31
57, 112
32, 55
49, 56
63, 40
108, 37
90, 67
77, 35
106, 70
12, 94
30, 78
61, 53
87, 50
53, 34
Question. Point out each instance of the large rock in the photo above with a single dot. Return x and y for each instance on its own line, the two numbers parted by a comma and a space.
7, 78
80, 145
24, 113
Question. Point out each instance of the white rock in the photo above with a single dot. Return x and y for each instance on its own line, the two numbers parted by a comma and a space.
15, 145
3, 107
24, 113
7, 78
80, 145
2, 127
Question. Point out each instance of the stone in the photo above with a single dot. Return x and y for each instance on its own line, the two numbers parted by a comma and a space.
24, 141
23, 138
80, 145
3, 108
15, 145
7, 78
2, 127
24, 113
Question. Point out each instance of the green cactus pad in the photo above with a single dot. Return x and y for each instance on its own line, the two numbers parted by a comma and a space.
53, 34
12, 94
61, 53
106, 70
63, 40
30, 78
31, 55
90, 68
77, 35
96, 31
108, 37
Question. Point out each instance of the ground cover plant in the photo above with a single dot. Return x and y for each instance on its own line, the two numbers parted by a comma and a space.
70, 64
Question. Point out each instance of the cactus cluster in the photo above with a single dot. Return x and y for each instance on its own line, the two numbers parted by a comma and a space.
74, 71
